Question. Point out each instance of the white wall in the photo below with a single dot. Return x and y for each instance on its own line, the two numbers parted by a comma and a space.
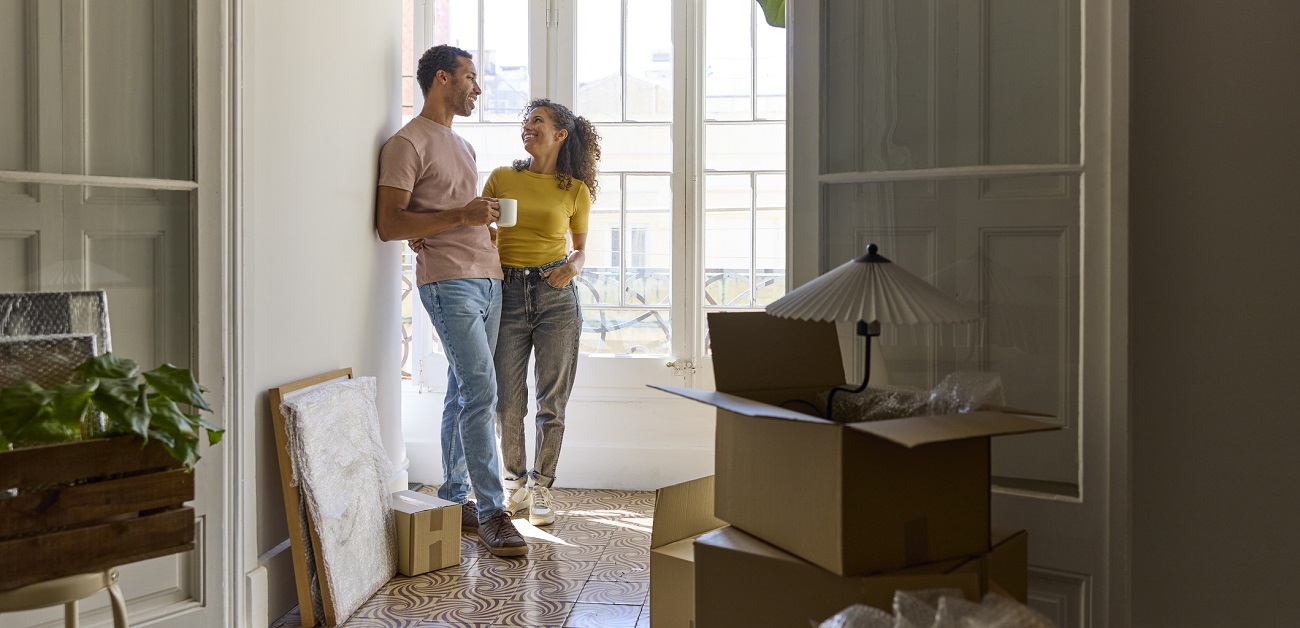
631, 438
1215, 210
321, 92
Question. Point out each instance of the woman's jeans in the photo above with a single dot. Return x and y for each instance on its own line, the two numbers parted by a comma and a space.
466, 313
535, 319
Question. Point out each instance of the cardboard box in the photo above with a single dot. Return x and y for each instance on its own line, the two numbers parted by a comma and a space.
1005, 569
853, 498
742, 581
683, 512
428, 532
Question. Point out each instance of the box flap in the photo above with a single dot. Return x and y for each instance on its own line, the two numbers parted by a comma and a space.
732, 539
411, 502
739, 405
683, 511
679, 550
924, 430
755, 351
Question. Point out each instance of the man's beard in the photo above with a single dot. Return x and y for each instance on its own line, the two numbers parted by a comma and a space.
462, 104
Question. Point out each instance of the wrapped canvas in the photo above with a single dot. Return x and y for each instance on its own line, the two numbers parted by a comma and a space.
341, 470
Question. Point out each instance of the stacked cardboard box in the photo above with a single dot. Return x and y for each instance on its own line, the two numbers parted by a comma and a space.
856, 508
683, 513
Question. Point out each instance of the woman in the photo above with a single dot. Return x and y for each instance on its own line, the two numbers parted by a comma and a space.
540, 315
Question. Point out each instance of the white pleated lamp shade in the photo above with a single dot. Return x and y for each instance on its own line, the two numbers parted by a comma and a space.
871, 288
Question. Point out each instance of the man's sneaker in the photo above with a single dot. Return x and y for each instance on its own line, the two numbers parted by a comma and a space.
516, 499
469, 517
501, 537
541, 513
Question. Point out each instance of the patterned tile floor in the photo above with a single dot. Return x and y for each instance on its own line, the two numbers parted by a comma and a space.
591, 568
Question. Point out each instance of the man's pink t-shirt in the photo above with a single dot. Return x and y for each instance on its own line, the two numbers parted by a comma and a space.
437, 167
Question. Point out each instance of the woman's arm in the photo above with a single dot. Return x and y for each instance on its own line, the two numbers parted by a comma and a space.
560, 277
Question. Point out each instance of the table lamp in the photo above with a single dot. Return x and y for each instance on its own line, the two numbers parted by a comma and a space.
871, 290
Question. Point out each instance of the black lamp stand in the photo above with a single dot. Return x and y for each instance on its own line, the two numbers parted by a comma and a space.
867, 331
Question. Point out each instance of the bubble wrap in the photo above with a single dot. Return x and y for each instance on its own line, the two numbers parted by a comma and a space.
957, 393
45, 335
941, 608
48, 360
341, 469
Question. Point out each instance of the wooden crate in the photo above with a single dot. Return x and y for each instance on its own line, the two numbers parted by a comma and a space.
87, 506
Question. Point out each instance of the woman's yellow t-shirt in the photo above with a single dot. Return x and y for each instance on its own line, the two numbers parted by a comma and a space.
546, 214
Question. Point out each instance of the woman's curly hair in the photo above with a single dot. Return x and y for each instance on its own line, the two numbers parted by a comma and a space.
579, 153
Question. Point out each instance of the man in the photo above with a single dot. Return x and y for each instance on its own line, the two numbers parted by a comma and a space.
428, 189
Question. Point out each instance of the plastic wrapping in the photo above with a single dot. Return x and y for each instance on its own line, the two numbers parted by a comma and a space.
957, 393
341, 469
47, 360
45, 335
941, 608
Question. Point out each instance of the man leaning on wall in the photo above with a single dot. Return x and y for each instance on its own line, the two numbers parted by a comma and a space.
428, 180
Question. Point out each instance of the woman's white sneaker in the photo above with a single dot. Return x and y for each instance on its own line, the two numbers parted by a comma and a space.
541, 511
516, 499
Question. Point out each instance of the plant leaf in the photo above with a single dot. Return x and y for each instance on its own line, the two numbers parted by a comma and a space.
166, 416
123, 401
177, 431
178, 385
71, 403
774, 12
20, 406
109, 366
214, 431
27, 416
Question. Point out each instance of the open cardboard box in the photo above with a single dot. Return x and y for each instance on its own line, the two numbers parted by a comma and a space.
853, 498
742, 581
683, 512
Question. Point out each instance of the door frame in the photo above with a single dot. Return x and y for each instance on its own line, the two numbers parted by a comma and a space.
218, 294
1104, 266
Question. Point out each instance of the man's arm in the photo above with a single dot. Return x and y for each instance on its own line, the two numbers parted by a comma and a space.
394, 221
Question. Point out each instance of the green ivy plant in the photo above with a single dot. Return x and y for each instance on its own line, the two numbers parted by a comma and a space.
151, 405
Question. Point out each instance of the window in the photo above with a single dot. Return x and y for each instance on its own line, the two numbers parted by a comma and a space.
690, 214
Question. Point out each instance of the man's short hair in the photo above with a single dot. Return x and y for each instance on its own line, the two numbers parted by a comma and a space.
444, 57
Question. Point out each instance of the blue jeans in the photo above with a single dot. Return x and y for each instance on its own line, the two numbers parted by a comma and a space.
541, 320
467, 314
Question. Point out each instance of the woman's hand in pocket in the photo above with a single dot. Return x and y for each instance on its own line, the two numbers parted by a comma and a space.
561, 276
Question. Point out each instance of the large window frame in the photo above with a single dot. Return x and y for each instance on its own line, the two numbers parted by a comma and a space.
552, 27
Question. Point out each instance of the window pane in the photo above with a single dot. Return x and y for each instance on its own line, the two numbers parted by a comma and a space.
626, 332
601, 273
636, 148
598, 64
458, 26
503, 68
1008, 247
769, 240
134, 67
408, 89
647, 240
769, 75
755, 146
728, 55
496, 144
947, 84
728, 240
649, 60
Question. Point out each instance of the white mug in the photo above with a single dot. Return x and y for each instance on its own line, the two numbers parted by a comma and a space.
509, 212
